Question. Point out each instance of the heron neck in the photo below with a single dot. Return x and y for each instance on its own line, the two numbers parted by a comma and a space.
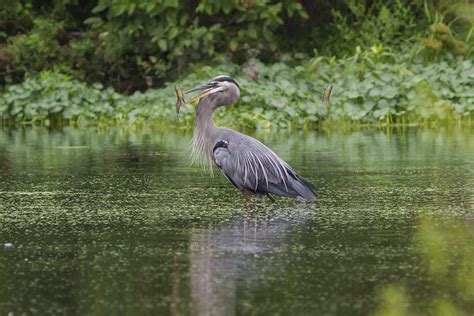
204, 131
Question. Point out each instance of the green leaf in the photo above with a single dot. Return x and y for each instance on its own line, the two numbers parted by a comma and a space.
252, 32
173, 32
233, 44
102, 5
162, 43
131, 8
94, 21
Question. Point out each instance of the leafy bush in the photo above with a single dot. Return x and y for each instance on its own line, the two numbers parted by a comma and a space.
158, 40
442, 40
365, 23
369, 87
33, 51
134, 44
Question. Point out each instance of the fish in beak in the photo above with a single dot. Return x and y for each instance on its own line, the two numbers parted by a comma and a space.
179, 99
205, 89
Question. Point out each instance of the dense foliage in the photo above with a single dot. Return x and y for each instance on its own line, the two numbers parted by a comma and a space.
135, 44
368, 88
391, 62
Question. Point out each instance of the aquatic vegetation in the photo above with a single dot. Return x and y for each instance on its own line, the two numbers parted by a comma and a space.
109, 220
371, 87
446, 251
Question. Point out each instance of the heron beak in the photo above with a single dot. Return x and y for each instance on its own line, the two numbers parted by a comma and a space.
208, 88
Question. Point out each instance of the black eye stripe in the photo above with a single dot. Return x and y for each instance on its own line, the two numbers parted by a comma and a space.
226, 78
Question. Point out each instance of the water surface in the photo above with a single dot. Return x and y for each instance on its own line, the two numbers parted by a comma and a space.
118, 222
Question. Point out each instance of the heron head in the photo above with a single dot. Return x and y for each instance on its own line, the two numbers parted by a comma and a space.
221, 90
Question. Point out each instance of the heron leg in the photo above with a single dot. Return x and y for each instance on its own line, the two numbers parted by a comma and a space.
247, 196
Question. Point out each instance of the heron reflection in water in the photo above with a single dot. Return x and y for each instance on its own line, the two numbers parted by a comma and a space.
249, 165
240, 255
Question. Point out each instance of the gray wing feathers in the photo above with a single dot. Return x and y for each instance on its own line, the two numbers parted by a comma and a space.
251, 165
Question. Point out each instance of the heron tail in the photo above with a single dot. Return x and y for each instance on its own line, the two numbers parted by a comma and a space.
305, 189
297, 187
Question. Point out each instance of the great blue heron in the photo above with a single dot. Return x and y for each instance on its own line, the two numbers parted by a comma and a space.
249, 165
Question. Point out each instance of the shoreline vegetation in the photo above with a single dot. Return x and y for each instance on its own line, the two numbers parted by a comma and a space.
116, 62
367, 92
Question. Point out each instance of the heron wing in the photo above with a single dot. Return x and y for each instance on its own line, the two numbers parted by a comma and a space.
251, 165
222, 160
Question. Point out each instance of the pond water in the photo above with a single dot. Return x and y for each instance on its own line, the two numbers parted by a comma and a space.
117, 222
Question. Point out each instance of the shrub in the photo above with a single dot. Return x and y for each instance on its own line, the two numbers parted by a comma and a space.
368, 89
134, 45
